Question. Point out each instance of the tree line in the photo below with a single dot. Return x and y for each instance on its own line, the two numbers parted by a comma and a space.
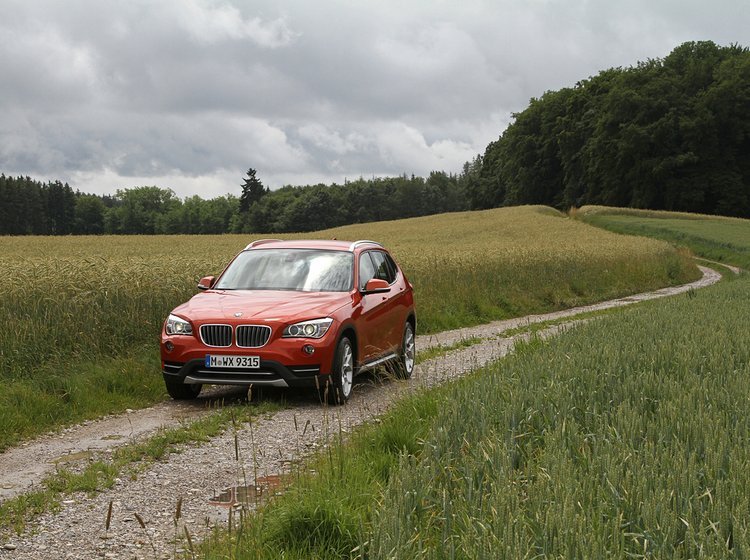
30, 207
670, 134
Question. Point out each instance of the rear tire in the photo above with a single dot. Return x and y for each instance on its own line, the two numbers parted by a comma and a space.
180, 391
405, 366
339, 386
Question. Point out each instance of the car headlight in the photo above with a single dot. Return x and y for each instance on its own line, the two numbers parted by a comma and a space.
308, 329
175, 325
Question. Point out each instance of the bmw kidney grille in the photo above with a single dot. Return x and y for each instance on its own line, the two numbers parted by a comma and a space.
216, 335
252, 336
247, 336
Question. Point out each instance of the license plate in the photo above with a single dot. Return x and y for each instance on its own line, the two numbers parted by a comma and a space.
244, 362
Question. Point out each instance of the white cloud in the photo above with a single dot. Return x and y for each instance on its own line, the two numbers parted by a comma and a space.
108, 181
211, 22
402, 146
41, 64
332, 140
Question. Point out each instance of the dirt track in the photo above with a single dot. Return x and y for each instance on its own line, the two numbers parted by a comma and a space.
268, 447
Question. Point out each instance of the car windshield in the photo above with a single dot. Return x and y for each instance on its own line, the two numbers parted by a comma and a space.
307, 270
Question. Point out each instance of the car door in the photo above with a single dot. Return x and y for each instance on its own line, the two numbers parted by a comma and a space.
389, 337
374, 319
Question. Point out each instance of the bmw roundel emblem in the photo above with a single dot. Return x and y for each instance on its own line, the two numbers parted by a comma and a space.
238, 314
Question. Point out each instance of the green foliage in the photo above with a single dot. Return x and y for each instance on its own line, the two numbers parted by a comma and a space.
140, 209
633, 450
668, 134
721, 239
89, 215
442, 349
30, 207
15, 512
64, 392
252, 191
316, 207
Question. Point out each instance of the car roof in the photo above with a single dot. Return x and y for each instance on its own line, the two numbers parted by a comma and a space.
327, 244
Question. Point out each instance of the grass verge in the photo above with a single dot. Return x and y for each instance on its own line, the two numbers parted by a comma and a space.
62, 392
636, 449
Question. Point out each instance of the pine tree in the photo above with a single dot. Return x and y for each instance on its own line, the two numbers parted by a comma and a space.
252, 191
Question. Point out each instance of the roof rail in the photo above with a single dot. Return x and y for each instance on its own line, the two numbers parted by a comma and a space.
260, 242
363, 242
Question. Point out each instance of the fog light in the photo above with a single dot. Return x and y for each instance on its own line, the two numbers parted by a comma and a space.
308, 349
169, 346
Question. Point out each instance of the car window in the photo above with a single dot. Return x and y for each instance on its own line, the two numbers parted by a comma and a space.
383, 269
392, 265
289, 269
366, 269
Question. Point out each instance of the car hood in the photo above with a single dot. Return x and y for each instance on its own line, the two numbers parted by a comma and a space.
262, 305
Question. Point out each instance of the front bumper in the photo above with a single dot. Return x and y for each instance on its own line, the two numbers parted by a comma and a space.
283, 362
270, 373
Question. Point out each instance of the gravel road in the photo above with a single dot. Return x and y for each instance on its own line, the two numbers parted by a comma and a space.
198, 475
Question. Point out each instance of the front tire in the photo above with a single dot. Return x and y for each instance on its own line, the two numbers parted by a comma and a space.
180, 391
339, 387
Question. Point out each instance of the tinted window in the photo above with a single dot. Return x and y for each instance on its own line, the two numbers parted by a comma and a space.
306, 270
392, 265
366, 270
383, 269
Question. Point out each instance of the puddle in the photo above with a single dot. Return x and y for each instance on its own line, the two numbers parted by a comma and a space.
73, 457
264, 488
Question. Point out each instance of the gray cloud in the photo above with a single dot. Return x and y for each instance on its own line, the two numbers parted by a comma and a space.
190, 93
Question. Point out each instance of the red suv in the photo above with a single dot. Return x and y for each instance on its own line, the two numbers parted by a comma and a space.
291, 314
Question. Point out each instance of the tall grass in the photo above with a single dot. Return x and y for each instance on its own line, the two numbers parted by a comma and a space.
637, 449
71, 304
714, 237
55, 393
624, 438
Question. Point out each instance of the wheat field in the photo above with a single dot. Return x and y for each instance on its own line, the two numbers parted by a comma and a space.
81, 315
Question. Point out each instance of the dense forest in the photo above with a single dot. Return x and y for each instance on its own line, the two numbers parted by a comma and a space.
670, 133
29, 207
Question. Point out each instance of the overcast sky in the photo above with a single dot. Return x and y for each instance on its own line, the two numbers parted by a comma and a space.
188, 94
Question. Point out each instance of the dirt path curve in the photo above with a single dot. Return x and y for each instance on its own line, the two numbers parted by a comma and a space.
268, 447
734, 269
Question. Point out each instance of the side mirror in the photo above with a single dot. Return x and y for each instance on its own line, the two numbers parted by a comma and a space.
206, 282
376, 286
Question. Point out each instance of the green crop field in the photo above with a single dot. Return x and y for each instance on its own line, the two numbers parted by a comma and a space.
81, 315
713, 237
626, 437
